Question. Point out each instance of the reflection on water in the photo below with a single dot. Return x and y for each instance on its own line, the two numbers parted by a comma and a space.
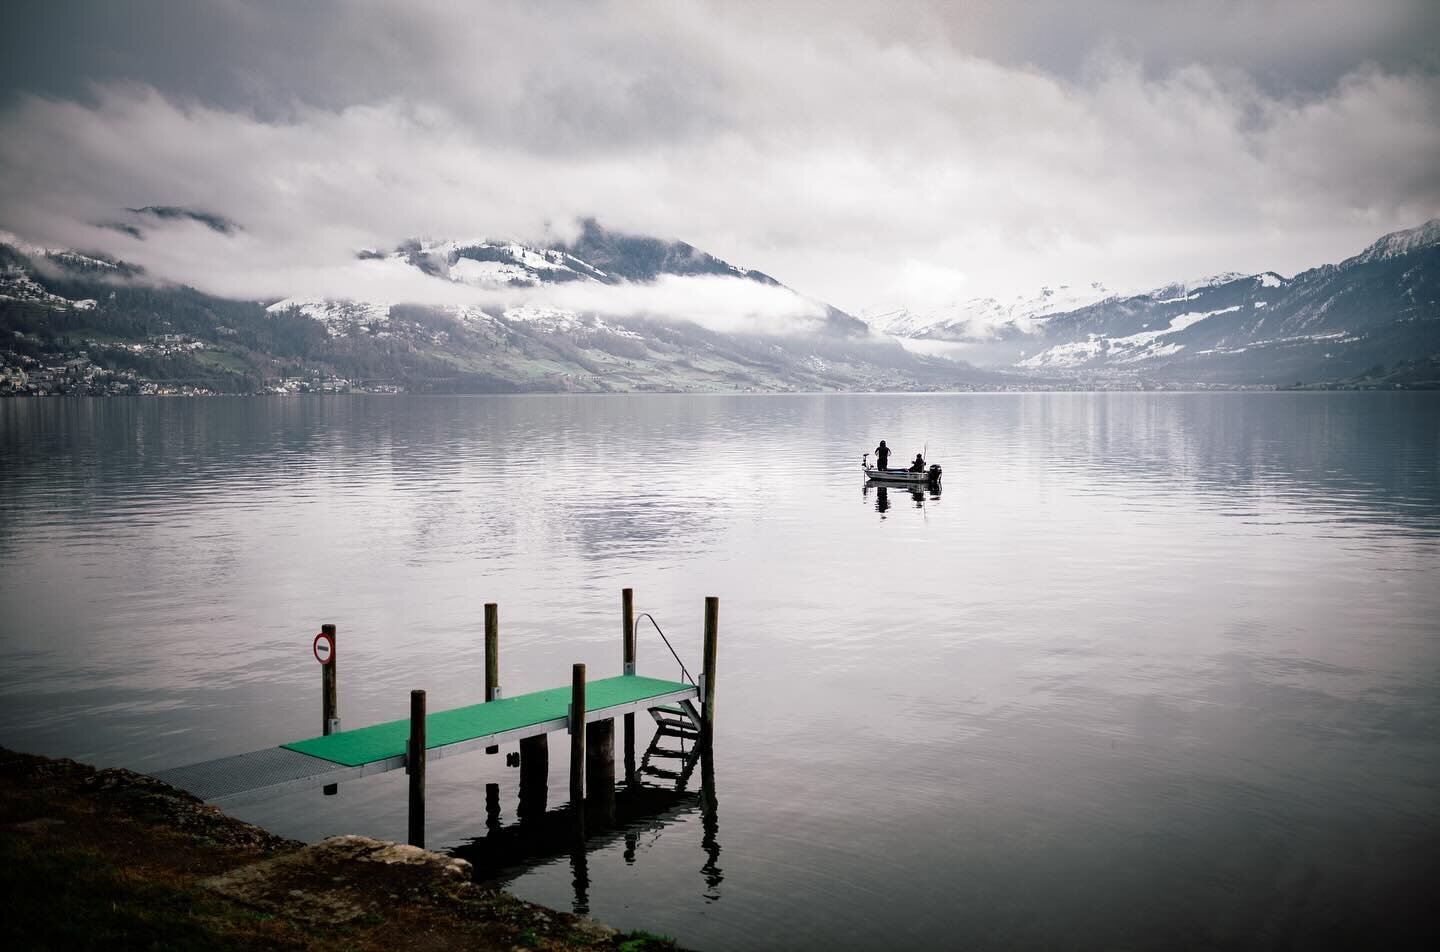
710, 823
633, 815
1158, 670
918, 493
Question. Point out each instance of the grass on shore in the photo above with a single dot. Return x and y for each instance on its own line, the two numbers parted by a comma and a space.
113, 860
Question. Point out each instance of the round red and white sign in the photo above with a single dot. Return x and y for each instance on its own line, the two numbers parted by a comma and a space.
324, 648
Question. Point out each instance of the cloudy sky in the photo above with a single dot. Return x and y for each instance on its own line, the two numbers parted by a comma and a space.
870, 154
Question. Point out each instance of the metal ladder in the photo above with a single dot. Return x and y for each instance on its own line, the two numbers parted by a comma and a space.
680, 721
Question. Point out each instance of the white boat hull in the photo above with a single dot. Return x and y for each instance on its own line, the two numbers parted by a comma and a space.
931, 475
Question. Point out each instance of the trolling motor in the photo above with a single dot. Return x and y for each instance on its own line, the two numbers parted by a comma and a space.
934, 474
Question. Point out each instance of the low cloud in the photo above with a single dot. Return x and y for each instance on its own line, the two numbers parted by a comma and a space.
732, 305
718, 302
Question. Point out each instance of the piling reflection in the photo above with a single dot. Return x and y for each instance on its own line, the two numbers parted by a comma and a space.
661, 797
580, 877
710, 823
492, 807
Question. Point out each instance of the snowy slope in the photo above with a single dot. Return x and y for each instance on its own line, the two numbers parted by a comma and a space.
984, 318
1399, 243
1130, 349
338, 316
18, 284
493, 264
1381, 305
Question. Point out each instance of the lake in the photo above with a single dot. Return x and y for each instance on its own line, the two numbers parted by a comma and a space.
1150, 670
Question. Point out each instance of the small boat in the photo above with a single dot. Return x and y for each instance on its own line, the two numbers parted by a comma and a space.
930, 475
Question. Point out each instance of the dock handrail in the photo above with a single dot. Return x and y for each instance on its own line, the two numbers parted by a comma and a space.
655, 623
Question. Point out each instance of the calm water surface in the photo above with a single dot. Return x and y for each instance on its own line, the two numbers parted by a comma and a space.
1151, 671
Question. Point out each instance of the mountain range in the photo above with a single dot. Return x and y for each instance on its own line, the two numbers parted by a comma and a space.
60, 307
71, 319
1377, 308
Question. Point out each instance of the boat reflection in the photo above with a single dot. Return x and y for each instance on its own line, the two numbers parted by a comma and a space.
659, 797
919, 493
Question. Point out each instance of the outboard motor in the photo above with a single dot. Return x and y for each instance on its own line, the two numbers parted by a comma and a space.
934, 473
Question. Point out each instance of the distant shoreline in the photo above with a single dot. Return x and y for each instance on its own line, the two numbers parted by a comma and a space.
1174, 388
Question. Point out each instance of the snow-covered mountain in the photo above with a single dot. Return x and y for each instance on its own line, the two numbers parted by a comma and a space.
1130, 349
596, 256
517, 338
1398, 243
493, 264
1380, 306
18, 282
979, 319
338, 316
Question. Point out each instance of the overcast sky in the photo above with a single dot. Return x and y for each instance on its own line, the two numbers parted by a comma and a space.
873, 154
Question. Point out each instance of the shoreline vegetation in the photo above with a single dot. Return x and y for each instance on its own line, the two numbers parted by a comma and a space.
114, 859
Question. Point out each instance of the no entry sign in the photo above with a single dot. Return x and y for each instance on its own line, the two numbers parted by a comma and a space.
324, 648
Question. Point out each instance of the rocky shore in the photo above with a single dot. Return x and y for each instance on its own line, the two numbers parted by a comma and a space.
113, 859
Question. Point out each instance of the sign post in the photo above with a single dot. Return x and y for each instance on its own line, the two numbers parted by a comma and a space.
324, 650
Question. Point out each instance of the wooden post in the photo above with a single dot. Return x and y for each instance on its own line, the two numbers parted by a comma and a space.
712, 628
627, 629
627, 633
415, 767
492, 658
600, 768
329, 698
577, 738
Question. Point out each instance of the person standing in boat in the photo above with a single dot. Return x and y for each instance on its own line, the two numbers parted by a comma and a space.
919, 465
882, 456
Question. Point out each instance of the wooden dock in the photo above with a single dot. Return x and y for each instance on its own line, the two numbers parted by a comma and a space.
350, 755
339, 756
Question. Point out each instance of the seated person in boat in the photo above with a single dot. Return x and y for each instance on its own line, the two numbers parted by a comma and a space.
919, 465
882, 456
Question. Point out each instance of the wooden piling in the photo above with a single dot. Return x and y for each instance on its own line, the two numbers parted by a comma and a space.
627, 634
492, 658
577, 737
712, 628
415, 767
627, 629
630, 767
329, 698
600, 769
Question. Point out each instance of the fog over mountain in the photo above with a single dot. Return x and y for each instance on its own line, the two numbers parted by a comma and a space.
604, 312
610, 312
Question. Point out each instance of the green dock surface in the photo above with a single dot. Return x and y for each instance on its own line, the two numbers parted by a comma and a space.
367, 745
